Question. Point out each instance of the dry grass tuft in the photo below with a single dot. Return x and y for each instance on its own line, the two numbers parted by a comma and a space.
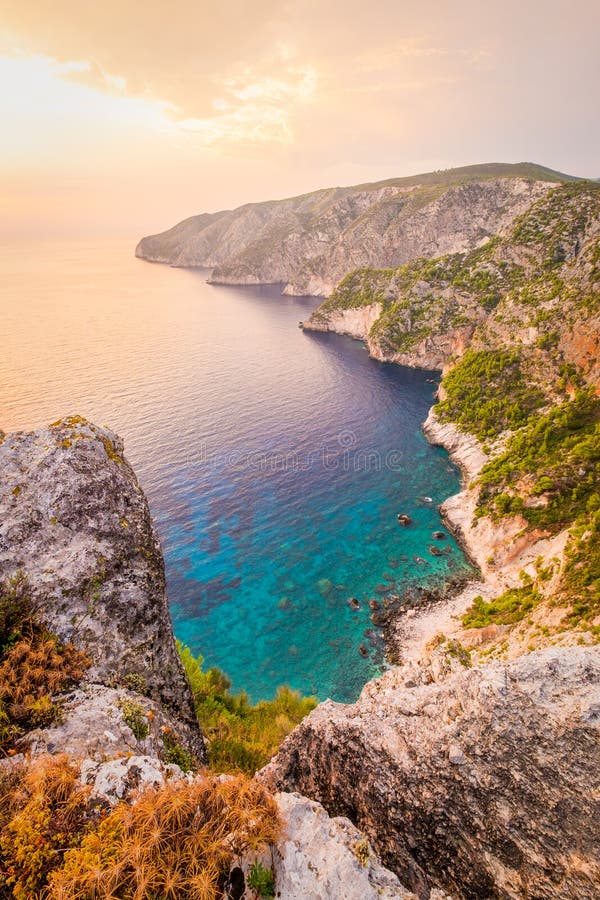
173, 843
46, 813
34, 665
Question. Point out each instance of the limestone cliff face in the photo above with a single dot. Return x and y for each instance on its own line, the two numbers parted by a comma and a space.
534, 285
308, 243
355, 323
501, 550
75, 521
476, 781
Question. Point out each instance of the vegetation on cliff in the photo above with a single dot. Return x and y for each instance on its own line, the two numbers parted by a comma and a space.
34, 666
242, 737
488, 393
178, 841
547, 264
526, 303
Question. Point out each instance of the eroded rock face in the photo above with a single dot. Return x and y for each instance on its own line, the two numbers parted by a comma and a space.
308, 243
481, 782
75, 521
318, 856
355, 323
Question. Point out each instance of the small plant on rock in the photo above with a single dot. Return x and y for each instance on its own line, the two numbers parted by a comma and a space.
135, 718
362, 851
175, 753
261, 880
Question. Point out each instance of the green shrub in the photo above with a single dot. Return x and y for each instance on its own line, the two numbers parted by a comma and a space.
580, 583
508, 609
562, 448
135, 718
135, 682
487, 393
173, 752
242, 737
261, 880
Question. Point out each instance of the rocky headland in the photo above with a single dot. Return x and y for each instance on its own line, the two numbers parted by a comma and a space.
309, 243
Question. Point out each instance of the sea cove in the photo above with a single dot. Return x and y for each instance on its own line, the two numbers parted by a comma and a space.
275, 461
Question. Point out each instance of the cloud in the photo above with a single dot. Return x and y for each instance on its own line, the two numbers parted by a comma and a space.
238, 100
255, 107
167, 51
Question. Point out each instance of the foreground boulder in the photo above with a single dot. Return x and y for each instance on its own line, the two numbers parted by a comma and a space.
75, 522
482, 782
318, 857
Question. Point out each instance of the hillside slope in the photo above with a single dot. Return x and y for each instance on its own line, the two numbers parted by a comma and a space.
516, 327
478, 757
309, 242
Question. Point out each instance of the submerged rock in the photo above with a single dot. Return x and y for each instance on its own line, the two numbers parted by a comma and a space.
324, 586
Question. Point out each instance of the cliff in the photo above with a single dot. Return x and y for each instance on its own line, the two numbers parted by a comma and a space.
534, 286
74, 521
475, 758
309, 243
475, 780
81, 562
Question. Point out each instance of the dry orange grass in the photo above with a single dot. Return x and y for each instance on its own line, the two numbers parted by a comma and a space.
34, 665
48, 810
176, 843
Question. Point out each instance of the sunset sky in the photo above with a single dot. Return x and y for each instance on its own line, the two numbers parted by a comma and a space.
122, 118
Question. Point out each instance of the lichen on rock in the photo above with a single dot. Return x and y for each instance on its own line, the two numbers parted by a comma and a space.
96, 583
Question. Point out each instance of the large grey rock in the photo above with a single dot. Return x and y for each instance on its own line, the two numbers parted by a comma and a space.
483, 783
75, 521
320, 857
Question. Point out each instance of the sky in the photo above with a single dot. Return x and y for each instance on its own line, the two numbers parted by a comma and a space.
121, 118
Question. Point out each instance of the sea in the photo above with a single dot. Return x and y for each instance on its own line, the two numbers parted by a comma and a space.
275, 460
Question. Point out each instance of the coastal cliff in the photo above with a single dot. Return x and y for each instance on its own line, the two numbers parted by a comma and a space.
472, 757
309, 243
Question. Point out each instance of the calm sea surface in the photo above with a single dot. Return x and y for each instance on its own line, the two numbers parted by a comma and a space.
275, 461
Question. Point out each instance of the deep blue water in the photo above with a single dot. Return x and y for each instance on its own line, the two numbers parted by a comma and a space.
275, 460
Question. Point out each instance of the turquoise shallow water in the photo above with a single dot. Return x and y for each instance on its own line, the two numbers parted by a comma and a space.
275, 461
